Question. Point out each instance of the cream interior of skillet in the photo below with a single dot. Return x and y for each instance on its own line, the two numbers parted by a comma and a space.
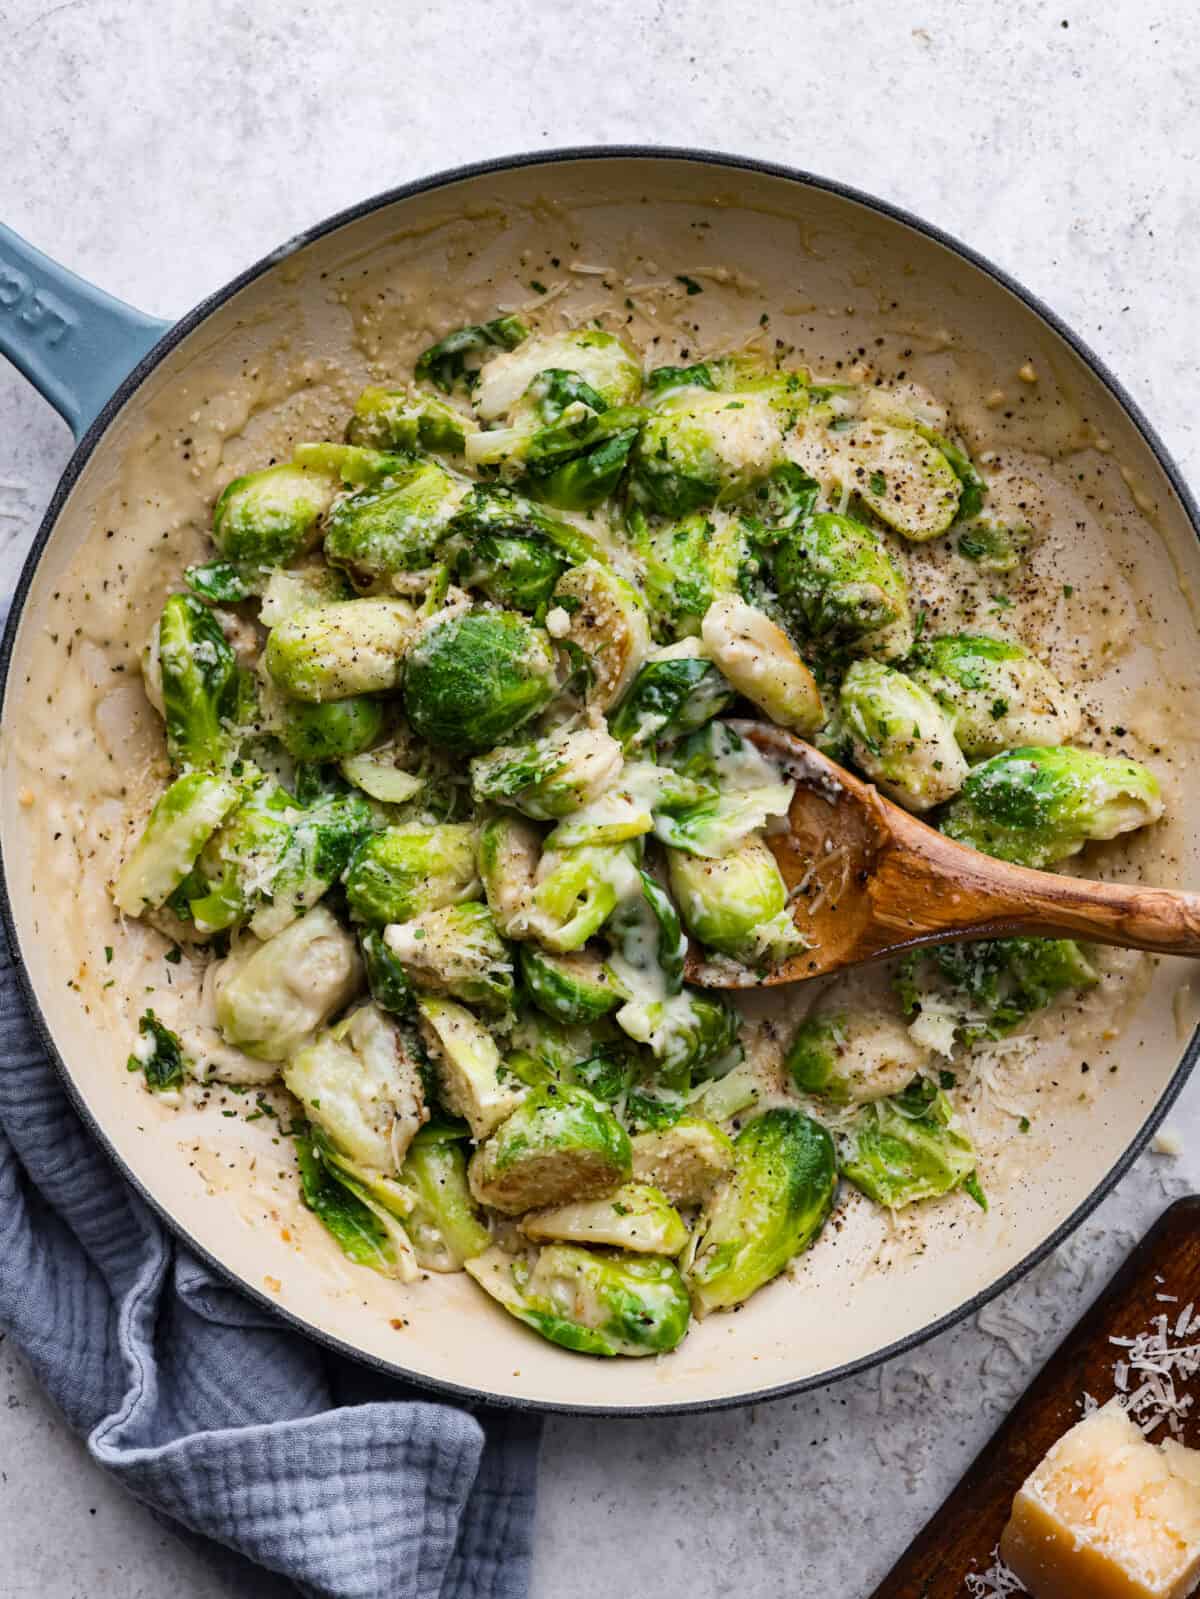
1102, 601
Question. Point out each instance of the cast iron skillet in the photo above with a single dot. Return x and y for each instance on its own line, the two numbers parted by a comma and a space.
804, 247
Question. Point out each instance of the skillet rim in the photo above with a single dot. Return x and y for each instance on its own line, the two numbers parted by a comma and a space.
83, 452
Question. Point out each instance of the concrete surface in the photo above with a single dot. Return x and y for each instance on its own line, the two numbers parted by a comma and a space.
158, 149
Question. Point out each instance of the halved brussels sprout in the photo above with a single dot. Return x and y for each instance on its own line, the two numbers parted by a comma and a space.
602, 360
898, 1151
400, 872
569, 988
575, 892
510, 569
634, 1217
686, 1160
381, 773
674, 693
727, 790
395, 527
736, 903
269, 518
757, 658
771, 1209
443, 1224
326, 732
365, 1230
299, 589
685, 1033
857, 1055
560, 1144
608, 625
472, 1080
508, 854
550, 776
995, 693
1036, 807
700, 448
457, 355
839, 585
455, 950
594, 1303
403, 419
491, 512
963, 992
334, 652
473, 679
184, 818
271, 996
359, 1084
688, 564
900, 736
197, 681
905, 479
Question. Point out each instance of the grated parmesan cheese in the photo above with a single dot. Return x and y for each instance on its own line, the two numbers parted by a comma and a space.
994, 1583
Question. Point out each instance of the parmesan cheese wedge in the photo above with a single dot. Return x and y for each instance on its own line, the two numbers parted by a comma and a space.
1108, 1515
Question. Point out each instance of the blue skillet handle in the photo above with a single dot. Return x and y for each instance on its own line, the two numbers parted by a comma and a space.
72, 341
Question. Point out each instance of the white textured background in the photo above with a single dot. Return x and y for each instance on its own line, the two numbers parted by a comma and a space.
160, 147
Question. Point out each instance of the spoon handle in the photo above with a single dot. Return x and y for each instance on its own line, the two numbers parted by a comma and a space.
927, 887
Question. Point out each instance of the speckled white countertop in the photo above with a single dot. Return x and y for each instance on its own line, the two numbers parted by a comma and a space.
159, 149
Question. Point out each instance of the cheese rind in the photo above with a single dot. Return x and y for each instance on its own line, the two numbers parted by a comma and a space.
1108, 1514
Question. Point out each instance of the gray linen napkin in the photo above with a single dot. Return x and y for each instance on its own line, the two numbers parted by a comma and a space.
215, 1415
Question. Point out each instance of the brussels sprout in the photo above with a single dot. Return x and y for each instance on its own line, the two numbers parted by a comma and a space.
995, 693
733, 791
994, 547
490, 512
549, 776
197, 682
853, 1056
402, 419
577, 464
400, 872
386, 977
361, 1086
455, 950
353, 466
269, 518
158, 1054
471, 1078
271, 996
222, 582
901, 1150
594, 1303
731, 1095
380, 773
699, 449
737, 903
395, 527
559, 1050
473, 679
781, 1191
299, 589
686, 565
736, 374
674, 693
569, 988
839, 585
900, 736
560, 1144
608, 625
784, 498
510, 569
1038, 806
452, 358
686, 1161
634, 1217
182, 821
685, 1033
508, 854
608, 1072
443, 1225
325, 732
575, 892
905, 479
334, 652
964, 992
757, 658
604, 362
366, 1232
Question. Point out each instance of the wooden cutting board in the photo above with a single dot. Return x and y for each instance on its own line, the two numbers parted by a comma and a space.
960, 1538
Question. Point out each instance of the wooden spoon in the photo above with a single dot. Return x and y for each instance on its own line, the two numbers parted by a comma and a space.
867, 880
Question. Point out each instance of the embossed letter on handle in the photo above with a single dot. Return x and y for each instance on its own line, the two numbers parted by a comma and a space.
71, 340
